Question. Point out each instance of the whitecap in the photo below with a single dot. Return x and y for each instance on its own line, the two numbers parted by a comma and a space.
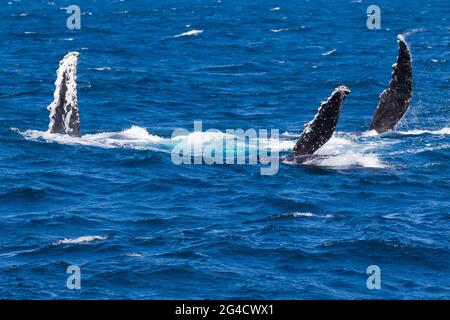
310, 214
102, 69
303, 214
134, 254
193, 32
445, 130
79, 240
329, 52
279, 30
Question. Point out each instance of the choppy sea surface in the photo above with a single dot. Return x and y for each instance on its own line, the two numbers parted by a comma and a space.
113, 203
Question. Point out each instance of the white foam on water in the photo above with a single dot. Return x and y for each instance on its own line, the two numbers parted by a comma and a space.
198, 137
349, 159
370, 133
189, 33
218, 138
427, 148
279, 30
346, 151
442, 131
340, 151
79, 240
133, 138
134, 254
277, 144
290, 134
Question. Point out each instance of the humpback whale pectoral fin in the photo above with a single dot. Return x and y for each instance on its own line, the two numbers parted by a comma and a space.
395, 100
64, 116
321, 128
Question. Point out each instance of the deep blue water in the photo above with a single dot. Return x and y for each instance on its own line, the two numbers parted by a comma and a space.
159, 230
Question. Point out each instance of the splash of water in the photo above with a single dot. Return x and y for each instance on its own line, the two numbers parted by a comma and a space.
341, 151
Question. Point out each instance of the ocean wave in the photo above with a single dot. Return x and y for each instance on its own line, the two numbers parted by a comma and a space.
329, 52
399, 250
425, 149
24, 193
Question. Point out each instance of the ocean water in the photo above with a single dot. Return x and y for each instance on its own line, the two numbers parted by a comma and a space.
113, 203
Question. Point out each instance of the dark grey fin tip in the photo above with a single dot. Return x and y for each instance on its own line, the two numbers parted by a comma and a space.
321, 128
395, 100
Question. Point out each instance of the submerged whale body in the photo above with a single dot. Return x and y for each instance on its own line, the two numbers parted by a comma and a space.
393, 104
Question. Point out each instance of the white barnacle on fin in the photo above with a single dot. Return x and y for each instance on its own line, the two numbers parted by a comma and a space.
307, 128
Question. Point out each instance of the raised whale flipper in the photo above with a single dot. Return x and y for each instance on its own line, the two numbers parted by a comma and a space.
395, 100
64, 117
321, 128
